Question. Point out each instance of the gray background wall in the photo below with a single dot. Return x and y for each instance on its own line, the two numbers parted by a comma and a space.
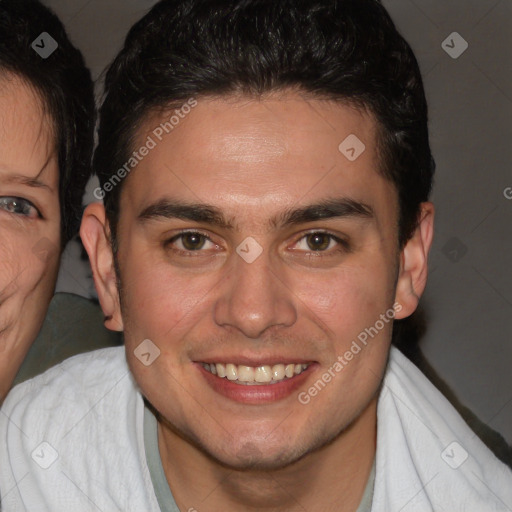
468, 300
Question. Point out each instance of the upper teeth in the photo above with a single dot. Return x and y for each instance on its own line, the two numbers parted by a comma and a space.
258, 374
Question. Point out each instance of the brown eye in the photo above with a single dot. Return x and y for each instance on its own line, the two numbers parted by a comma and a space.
321, 243
192, 241
191, 244
318, 241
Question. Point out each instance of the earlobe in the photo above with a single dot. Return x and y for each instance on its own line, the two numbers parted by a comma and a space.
412, 277
94, 233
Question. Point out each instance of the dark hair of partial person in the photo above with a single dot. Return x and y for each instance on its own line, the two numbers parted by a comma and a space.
346, 50
66, 90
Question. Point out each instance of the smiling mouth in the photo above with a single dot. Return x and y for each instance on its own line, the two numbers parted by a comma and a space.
255, 375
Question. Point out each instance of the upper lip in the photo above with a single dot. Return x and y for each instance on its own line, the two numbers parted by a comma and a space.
254, 361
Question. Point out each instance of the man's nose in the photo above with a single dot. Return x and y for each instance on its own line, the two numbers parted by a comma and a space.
255, 297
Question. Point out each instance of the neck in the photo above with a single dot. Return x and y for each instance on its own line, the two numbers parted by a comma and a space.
331, 478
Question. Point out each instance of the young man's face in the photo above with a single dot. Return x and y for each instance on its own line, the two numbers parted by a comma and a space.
248, 237
29, 222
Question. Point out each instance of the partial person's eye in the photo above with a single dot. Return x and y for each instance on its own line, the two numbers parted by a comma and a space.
19, 206
320, 241
190, 241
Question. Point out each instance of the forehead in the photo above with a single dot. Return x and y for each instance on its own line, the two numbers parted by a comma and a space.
26, 132
245, 152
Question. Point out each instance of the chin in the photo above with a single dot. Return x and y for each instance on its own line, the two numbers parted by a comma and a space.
250, 458
248, 455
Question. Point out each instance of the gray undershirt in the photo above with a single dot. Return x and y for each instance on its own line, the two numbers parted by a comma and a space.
163, 492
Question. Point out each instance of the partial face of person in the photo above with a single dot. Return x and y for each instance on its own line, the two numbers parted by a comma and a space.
257, 243
29, 222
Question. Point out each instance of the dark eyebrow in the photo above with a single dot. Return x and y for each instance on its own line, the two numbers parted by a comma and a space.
196, 212
25, 180
208, 214
327, 209
31, 182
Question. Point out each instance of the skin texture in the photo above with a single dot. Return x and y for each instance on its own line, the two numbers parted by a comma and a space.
29, 227
254, 159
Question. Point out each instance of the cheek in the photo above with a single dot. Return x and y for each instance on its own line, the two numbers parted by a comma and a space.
350, 299
27, 277
161, 302
21, 269
13, 270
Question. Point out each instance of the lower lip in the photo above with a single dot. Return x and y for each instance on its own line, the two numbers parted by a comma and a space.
258, 393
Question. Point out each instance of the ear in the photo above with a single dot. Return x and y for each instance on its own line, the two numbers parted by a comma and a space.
412, 277
95, 235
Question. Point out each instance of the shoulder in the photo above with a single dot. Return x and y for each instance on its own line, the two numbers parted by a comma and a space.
77, 426
423, 443
54, 401
76, 380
